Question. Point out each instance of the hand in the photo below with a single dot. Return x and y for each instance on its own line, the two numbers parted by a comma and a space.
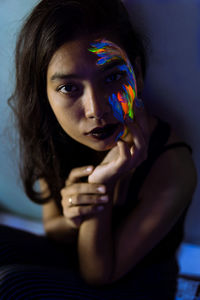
81, 200
128, 154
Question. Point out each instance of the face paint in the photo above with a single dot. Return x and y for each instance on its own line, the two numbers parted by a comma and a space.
121, 101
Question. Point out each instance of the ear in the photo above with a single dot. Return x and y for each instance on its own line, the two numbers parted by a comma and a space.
139, 75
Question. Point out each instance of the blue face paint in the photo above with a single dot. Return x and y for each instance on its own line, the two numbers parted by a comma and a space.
117, 108
121, 101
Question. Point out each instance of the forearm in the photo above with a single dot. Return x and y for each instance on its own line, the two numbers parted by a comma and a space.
95, 247
60, 231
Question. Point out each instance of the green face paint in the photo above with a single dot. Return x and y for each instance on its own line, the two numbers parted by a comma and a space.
122, 100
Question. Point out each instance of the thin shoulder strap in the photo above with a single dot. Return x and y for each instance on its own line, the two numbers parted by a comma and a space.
157, 146
176, 145
159, 139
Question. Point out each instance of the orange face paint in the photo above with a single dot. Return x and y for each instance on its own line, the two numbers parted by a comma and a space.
122, 100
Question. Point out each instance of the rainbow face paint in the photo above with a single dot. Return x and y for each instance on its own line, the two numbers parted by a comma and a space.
122, 100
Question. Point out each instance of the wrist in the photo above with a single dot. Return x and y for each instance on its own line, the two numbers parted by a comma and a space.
75, 225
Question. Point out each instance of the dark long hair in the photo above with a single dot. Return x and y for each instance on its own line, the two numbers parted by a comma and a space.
46, 151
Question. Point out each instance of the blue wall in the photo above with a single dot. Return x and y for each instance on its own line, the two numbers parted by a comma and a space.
171, 87
12, 197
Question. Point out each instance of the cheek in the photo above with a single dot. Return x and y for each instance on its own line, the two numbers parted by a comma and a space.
59, 110
68, 122
121, 102
60, 105
66, 112
68, 116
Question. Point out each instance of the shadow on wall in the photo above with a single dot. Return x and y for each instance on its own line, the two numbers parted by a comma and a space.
173, 75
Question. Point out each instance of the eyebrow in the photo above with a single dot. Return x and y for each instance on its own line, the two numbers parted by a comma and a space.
107, 66
58, 76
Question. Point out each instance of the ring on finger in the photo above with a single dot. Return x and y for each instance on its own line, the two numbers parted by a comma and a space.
70, 200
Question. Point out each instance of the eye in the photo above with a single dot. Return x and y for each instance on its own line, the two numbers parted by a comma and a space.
114, 77
68, 88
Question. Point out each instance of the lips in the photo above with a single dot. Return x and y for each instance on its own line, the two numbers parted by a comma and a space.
100, 130
103, 132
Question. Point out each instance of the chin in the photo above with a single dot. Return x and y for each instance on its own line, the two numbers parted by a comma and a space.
102, 146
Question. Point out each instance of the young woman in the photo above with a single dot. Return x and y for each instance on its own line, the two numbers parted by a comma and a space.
116, 181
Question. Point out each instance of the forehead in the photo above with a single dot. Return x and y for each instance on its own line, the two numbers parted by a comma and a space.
77, 54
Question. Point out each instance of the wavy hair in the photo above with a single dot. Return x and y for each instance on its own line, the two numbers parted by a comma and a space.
46, 151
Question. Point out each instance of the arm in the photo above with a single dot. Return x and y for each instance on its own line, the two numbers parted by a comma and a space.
95, 247
55, 224
166, 192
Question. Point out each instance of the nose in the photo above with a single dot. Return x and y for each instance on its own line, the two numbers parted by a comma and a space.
96, 103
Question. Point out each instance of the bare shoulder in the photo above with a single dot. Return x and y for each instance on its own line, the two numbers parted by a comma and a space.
181, 156
165, 193
173, 170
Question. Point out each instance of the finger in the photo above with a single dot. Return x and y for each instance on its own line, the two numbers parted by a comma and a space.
83, 188
130, 156
141, 118
81, 212
77, 200
139, 147
78, 173
124, 150
138, 138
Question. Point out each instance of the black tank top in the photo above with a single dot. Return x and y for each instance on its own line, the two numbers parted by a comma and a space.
168, 245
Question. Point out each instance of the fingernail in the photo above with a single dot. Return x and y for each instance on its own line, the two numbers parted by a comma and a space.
101, 189
139, 103
89, 169
104, 198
